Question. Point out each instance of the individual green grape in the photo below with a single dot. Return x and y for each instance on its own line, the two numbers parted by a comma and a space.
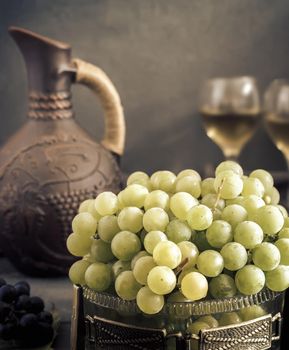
211, 200
152, 238
108, 227
210, 263
270, 219
250, 279
142, 268
265, 177
133, 196
130, 219
177, 297
167, 253
77, 271
210, 320
149, 302
91, 210
278, 279
138, 255
189, 172
217, 214
139, 178
272, 196
200, 240
157, 198
284, 233
249, 234
155, 219
229, 318
283, 246
100, 251
219, 233
234, 255
126, 286
178, 231
190, 185
234, 214
78, 245
238, 200
194, 286
222, 286
200, 217
181, 203
84, 224
252, 185
229, 165
98, 276
266, 256
125, 245
189, 251
228, 184
84, 206
185, 270
283, 210
106, 203
252, 312
161, 280
196, 327
286, 223
120, 266
163, 180
207, 186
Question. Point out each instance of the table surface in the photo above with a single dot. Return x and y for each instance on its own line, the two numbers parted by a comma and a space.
53, 290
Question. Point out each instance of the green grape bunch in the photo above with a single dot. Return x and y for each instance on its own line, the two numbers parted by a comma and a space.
168, 236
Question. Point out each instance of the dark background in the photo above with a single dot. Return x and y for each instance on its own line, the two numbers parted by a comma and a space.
157, 52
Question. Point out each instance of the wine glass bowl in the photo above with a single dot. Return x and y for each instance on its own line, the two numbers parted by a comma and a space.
230, 108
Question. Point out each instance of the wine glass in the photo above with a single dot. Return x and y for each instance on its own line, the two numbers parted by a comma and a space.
230, 108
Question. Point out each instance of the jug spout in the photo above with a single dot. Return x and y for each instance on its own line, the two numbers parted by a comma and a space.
47, 61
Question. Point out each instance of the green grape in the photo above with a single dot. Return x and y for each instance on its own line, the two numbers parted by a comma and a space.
210, 263
249, 234
189, 172
181, 203
200, 240
234, 255
130, 219
286, 223
126, 286
120, 266
250, 279
84, 206
252, 312
167, 253
78, 245
157, 198
152, 238
270, 219
238, 200
283, 246
284, 233
200, 217
133, 196
196, 327
266, 256
210, 320
178, 231
222, 286
100, 251
149, 302
137, 256
283, 210
228, 184
161, 280
234, 214
185, 270
142, 235
229, 165
190, 185
142, 268
177, 297
125, 245
163, 180
252, 185
189, 251
265, 177
77, 271
219, 233
108, 227
217, 214
106, 203
272, 196
211, 200
207, 186
91, 210
84, 224
229, 318
251, 203
139, 178
98, 276
155, 219
278, 279
194, 286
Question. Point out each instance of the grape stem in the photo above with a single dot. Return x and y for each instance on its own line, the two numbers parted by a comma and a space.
180, 267
218, 194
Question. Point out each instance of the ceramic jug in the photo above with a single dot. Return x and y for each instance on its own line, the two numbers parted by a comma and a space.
51, 165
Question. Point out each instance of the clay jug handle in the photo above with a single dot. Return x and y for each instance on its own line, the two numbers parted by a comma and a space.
95, 79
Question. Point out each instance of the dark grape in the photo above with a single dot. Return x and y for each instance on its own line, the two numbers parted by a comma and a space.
7, 331
45, 317
7, 293
2, 282
5, 310
23, 303
28, 320
22, 288
36, 305
45, 334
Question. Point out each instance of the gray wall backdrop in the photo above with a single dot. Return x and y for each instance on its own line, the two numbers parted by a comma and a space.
157, 52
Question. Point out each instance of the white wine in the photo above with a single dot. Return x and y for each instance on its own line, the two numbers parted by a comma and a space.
279, 131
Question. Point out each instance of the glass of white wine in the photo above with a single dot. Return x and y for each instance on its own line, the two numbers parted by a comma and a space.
231, 110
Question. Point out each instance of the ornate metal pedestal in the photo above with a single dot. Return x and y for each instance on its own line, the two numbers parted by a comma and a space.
103, 321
